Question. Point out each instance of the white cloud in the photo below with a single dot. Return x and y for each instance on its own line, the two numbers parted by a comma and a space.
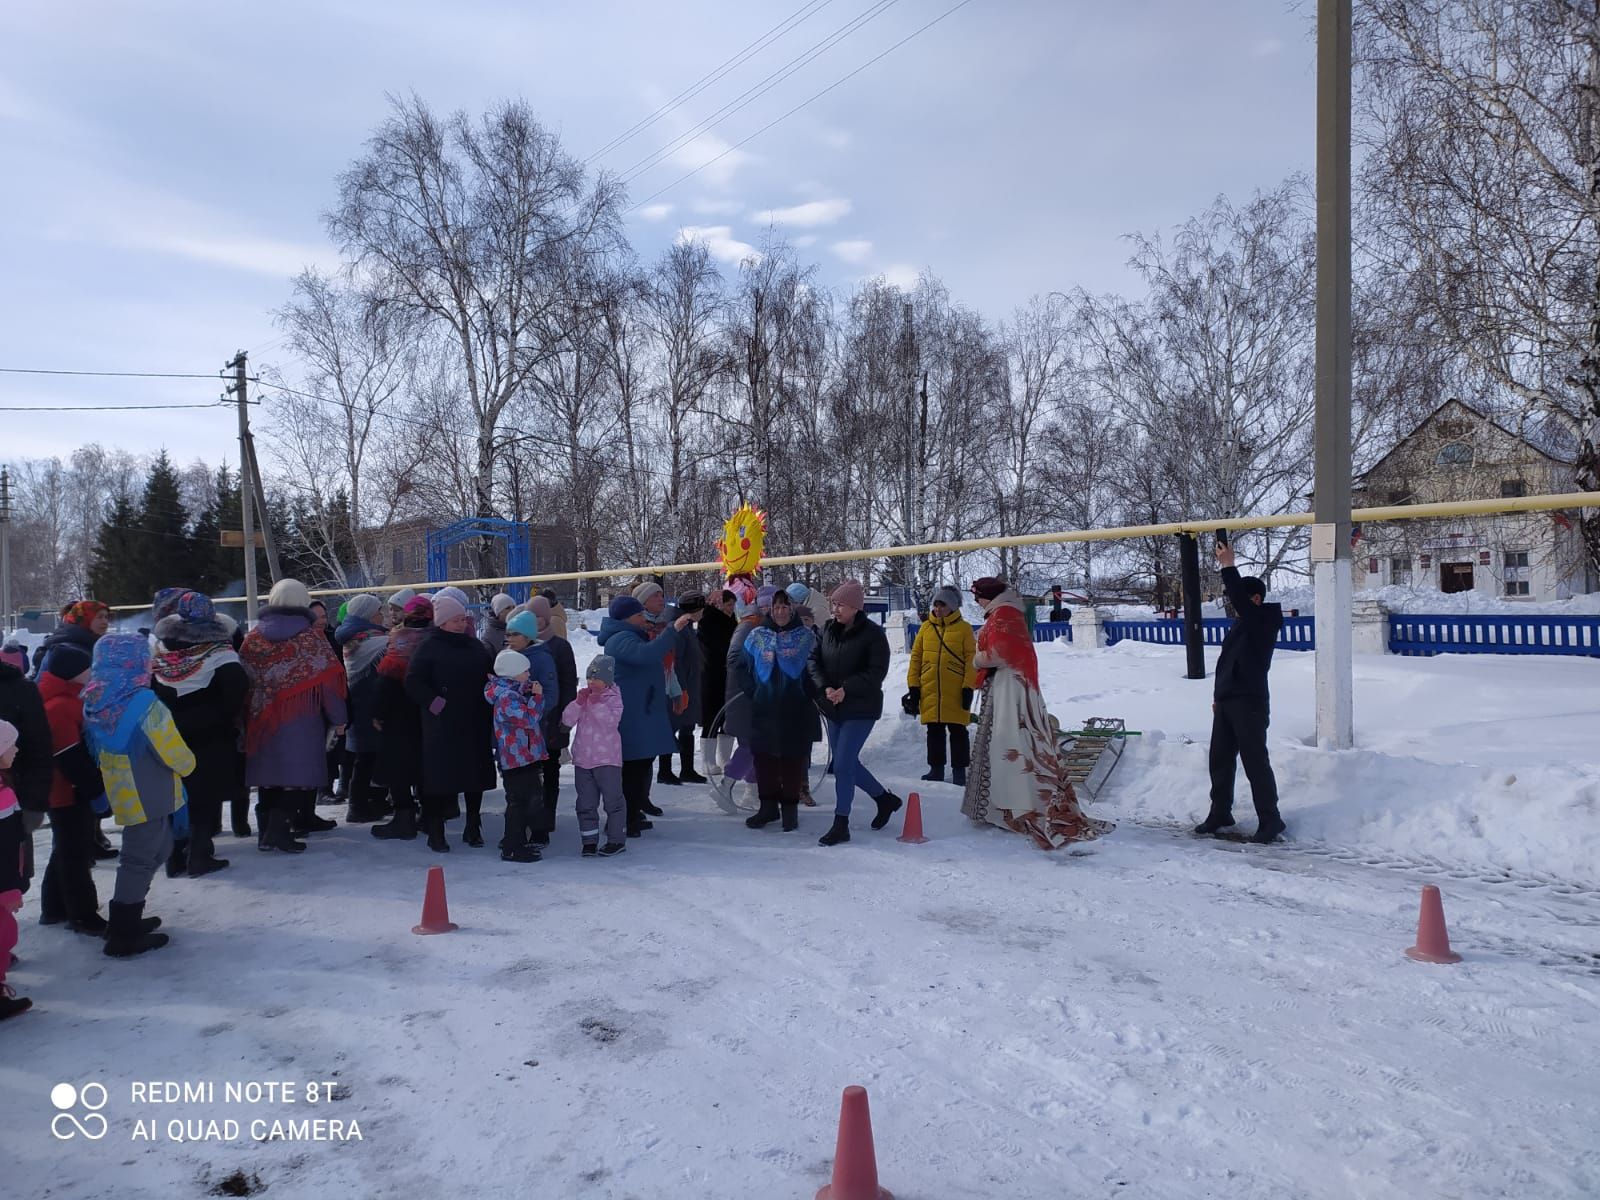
808, 215
717, 208
656, 212
854, 251
901, 275
804, 240
715, 158
719, 240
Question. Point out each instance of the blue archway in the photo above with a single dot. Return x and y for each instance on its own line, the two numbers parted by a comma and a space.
519, 552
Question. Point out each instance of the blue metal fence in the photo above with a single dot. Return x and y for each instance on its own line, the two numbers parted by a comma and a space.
1298, 633
1421, 634
1043, 631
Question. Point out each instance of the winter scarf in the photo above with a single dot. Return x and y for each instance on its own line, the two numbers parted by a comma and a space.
403, 643
118, 694
785, 650
189, 669
287, 678
364, 645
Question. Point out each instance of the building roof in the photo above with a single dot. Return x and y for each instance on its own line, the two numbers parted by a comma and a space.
1545, 437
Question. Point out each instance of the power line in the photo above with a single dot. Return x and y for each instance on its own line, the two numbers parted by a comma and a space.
108, 374
715, 74
761, 88
810, 99
99, 407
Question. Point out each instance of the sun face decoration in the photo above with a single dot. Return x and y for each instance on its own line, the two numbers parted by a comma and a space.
743, 538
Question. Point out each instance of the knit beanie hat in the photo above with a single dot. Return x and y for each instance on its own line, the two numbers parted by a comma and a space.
540, 608
526, 624
602, 667
988, 587
363, 607
764, 597
851, 594
947, 596
508, 664
402, 598
500, 602
447, 608
798, 592
67, 661
419, 611
8, 736
453, 593
623, 607
289, 593
14, 655
645, 590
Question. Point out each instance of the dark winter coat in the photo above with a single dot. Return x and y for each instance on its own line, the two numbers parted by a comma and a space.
209, 721
80, 636
641, 677
689, 666
400, 740
458, 740
556, 734
362, 644
778, 716
492, 634
715, 635
856, 658
33, 771
1246, 655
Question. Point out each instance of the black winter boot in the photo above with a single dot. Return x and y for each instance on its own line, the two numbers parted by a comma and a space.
934, 775
888, 804
958, 776
1214, 821
306, 819
514, 846
402, 826
791, 815
765, 815
12, 1004
436, 841
178, 859
103, 849
686, 771
92, 924
127, 935
1268, 829
839, 833
240, 806
665, 775
472, 835
278, 834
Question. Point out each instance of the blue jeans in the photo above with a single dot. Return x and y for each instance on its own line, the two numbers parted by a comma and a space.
845, 739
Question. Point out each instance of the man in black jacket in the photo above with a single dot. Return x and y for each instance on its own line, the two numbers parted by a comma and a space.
1241, 706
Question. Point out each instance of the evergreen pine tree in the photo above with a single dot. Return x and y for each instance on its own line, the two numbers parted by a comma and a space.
166, 553
113, 572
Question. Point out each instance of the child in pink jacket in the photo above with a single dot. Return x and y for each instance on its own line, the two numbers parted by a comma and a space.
596, 717
11, 836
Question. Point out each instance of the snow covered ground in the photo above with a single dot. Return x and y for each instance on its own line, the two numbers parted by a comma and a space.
1150, 1016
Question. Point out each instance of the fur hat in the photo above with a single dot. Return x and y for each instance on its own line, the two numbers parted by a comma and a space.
402, 598
363, 607
508, 664
602, 667
289, 593
191, 620
851, 594
949, 597
447, 608
67, 661
500, 602
526, 624
623, 607
988, 587
646, 590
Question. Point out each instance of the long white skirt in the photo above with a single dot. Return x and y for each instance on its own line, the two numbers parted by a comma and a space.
1018, 779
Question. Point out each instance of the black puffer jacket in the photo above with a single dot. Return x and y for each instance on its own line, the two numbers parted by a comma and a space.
458, 740
856, 658
34, 769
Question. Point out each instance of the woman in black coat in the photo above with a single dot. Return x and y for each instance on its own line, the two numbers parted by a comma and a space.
716, 633
200, 679
768, 665
397, 721
446, 681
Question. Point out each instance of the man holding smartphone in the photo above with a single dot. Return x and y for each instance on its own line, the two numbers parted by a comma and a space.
1241, 705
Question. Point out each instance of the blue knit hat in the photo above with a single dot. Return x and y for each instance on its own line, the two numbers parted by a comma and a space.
526, 624
624, 607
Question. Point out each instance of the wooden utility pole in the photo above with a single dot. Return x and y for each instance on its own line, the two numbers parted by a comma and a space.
246, 488
271, 542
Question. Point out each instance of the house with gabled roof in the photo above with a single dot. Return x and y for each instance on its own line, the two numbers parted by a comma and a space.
1458, 452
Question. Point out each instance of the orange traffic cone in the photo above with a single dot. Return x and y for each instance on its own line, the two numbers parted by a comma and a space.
855, 1166
912, 831
435, 911
1433, 940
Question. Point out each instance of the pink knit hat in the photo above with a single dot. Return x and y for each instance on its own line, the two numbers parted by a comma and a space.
8, 736
447, 608
851, 594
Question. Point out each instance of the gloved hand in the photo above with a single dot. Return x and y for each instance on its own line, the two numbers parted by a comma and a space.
101, 805
437, 706
180, 822
912, 703
966, 699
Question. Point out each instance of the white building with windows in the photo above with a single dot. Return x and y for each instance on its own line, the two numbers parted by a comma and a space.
1459, 453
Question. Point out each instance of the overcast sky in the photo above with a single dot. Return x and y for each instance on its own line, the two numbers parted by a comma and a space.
166, 163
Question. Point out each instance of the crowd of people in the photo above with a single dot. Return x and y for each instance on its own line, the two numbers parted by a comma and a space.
408, 712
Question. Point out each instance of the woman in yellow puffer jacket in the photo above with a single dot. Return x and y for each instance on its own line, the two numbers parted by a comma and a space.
941, 678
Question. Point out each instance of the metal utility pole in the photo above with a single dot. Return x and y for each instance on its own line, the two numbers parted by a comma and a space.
5, 550
1194, 632
246, 490
1330, 536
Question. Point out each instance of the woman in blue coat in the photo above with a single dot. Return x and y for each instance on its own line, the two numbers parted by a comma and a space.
646, 713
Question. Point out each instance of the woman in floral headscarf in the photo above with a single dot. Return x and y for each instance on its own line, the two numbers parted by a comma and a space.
143, 761
201, 680
1018, 779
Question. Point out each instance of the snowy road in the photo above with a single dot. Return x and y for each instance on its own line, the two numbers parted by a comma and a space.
1150, 1017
